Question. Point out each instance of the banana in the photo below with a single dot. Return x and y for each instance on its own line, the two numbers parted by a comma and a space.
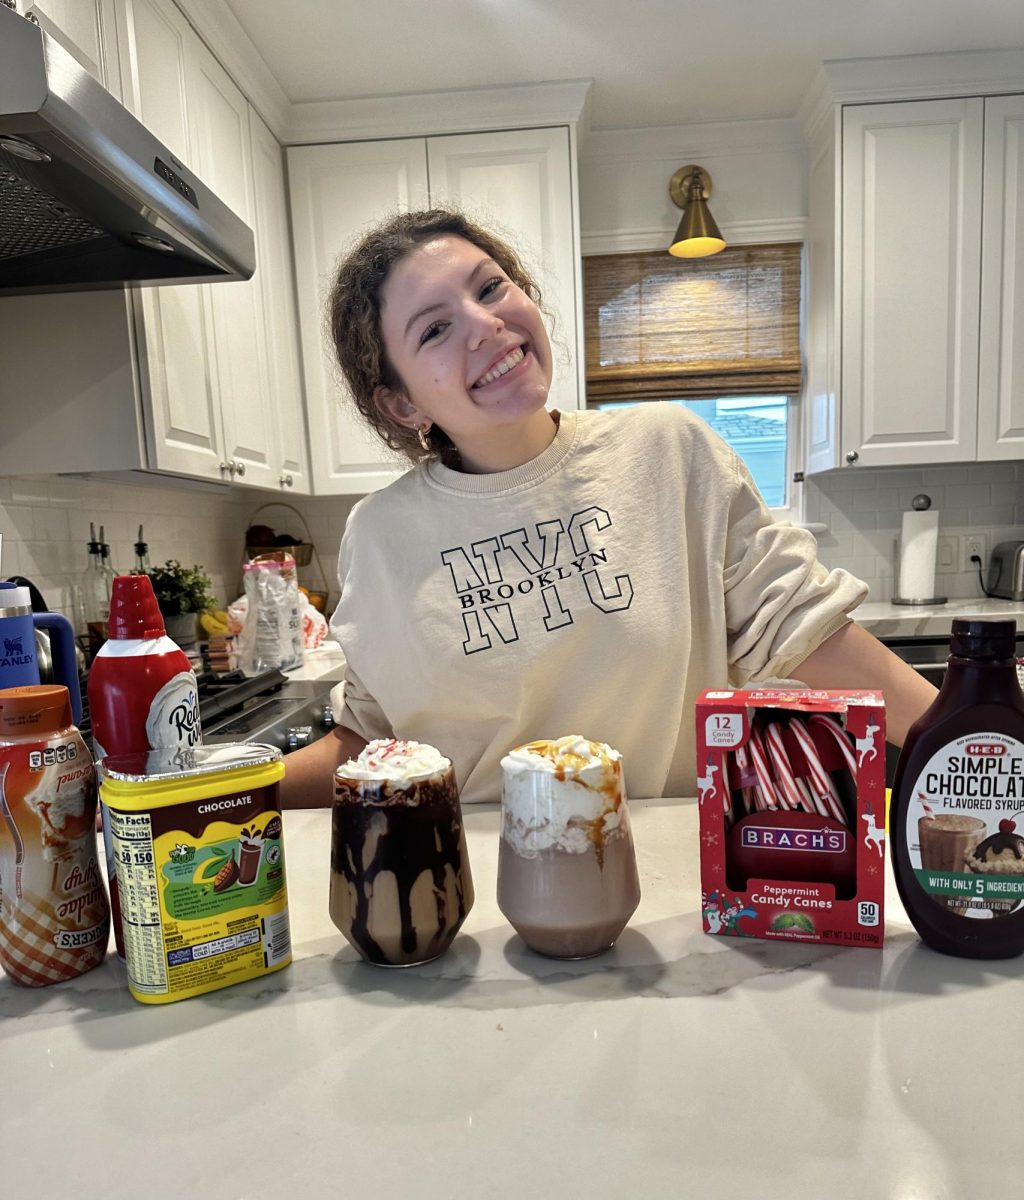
215, 623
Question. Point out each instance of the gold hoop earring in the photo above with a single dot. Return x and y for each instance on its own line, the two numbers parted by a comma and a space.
421, 433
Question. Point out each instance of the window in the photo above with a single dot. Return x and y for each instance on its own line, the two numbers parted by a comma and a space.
720, 335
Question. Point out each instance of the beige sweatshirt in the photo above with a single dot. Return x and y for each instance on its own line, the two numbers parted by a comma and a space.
594, 590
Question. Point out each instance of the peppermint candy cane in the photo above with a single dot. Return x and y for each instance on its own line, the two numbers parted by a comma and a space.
790, 794
746, 792
821, 782
766, 796
842, 741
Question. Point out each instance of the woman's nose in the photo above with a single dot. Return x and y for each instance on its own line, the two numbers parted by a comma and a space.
484, 322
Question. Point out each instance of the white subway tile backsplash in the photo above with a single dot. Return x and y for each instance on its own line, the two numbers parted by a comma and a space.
875, 499
864, 522
969, 494
995, 514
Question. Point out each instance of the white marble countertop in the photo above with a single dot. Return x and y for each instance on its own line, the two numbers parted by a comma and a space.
899, 620
676, 1065
325, 662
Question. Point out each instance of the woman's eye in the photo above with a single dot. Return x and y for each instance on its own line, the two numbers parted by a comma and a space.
432, 331
492, 286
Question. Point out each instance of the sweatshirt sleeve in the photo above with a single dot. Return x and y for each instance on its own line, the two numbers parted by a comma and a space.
354, 708
353, 705
781, 603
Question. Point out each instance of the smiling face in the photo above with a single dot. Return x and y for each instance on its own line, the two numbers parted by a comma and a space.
470, 350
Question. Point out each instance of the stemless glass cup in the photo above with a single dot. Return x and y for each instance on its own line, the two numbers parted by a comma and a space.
567, 877
400, 880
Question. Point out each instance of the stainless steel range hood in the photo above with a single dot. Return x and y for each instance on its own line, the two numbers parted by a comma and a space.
89, 198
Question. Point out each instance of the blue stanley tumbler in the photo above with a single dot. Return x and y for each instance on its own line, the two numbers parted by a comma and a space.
18, 664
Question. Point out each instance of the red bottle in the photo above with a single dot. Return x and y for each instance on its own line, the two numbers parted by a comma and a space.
54, 919
142, 694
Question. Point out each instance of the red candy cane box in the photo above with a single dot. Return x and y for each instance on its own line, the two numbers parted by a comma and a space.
791, 787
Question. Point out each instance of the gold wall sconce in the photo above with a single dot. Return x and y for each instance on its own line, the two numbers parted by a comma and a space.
697, 236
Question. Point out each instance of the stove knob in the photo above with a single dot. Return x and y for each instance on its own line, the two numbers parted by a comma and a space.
327, 717
297, 736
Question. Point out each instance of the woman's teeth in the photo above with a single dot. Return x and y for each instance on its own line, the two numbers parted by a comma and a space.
512, 359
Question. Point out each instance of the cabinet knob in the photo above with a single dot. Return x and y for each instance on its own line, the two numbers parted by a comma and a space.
228, 467
852, 456
286, 481
238, 468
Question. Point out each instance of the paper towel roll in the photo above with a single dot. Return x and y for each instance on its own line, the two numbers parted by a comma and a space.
919, 540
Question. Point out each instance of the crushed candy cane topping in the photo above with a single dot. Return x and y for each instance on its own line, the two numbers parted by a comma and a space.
391, 758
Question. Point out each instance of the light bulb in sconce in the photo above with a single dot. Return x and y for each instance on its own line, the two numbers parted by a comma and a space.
697, 236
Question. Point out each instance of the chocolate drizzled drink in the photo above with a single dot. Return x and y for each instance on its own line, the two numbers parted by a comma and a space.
400, 879
567, 879
947, 840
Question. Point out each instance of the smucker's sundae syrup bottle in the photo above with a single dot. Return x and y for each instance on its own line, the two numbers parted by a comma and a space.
957, 815
142, 694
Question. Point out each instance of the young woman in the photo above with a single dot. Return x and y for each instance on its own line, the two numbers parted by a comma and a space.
537, 573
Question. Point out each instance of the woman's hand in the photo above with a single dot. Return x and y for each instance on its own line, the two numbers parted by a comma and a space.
309, 773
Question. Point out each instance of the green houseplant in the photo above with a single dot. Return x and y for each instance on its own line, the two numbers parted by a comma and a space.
182, 593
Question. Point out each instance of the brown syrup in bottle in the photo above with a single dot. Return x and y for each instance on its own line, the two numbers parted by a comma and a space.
957, 812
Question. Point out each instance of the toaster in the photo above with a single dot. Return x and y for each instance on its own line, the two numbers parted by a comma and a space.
1006, 571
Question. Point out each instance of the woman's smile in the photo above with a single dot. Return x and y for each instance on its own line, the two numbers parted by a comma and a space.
503, 366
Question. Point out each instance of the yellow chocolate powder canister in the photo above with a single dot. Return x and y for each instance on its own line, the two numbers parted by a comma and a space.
199, 846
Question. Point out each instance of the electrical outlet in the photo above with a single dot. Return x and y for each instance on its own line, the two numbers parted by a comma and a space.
975, 544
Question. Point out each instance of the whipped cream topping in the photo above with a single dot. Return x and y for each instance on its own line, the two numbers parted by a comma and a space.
565, 794
395, 761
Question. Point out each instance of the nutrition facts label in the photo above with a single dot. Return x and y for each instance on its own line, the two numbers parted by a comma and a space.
132, 835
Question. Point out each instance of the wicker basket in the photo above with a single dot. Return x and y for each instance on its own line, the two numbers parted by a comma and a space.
303, 554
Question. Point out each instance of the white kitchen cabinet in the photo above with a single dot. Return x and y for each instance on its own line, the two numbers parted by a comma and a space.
86, 28
276, 281
205, 350
337, 191
519, 181
914, 264
1001, 374
199, 380
174, 324
222, 156
910, 276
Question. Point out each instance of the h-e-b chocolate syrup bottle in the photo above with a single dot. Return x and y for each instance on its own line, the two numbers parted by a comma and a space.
957, 814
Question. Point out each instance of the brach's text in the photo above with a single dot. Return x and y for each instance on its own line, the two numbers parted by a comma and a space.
791, 788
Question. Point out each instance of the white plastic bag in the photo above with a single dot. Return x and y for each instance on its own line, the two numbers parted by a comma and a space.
314, 624
272, 634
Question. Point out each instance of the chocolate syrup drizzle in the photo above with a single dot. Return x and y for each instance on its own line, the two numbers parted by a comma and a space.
999, 843
410, 839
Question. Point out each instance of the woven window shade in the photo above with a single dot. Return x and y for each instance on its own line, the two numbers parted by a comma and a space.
659, 327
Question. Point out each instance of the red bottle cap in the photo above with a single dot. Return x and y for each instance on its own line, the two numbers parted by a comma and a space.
36, 709
134, 612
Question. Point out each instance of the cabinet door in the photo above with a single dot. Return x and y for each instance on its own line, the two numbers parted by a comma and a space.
86, 28
274, 275
338, 191
183, 432
911, 270
520, 184
219, 136
1001, 371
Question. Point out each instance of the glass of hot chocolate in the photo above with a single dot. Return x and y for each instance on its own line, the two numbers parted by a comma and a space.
567, 878
400, 880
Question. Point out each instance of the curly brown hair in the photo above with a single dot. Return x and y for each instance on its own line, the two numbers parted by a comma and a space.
353, 313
